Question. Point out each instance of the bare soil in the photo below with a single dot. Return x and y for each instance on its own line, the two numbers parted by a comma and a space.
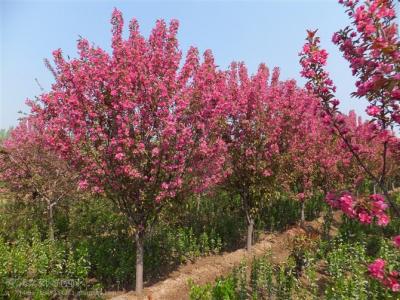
207, 269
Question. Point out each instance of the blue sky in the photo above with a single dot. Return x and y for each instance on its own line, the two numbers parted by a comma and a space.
251, 31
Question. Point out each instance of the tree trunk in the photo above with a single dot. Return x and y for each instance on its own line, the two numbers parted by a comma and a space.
303, 217
250, 228
51, 221
139, 264
327, 224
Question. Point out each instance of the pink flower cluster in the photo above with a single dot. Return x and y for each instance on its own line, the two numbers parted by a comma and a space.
390, 279
396, 241
366, 211
373, 51
313, 59
28, 167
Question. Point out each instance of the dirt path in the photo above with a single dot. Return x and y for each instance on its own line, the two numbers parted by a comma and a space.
207, 269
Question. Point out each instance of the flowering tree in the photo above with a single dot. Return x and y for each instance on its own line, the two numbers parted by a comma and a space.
314, 161
32, 172
249, 164
264, 117
372, 47
140, 128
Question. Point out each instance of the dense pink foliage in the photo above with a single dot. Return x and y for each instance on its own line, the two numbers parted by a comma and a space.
30, 170
365, 210
377, 268
389, 279
272, 134
373, 51
139, 127
372, 48
396, 241
375, 135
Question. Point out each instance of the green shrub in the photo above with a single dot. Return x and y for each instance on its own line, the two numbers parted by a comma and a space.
224, 289
96, 224
347, 264
346, 269
240, 281
285, 280
284, 211
261, 278
266, 282
198, 292
206, 225
42, 269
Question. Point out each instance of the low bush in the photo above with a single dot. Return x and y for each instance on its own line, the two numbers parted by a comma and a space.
43, 269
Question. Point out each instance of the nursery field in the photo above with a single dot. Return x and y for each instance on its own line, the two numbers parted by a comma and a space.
147, 172
276, 247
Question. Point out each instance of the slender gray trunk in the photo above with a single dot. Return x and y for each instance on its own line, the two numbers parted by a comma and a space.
198, 204
303, 216
51, 221
250, 229
374, 188
139, 264
327, 223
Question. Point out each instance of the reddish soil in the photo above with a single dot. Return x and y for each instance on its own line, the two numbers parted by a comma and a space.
207, 269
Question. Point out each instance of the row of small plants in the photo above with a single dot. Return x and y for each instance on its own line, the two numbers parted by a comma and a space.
342, 275
260, 280
316, 269
42, 269
93, 252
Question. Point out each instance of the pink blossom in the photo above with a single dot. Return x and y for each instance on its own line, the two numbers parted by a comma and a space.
335, 102
379, 206
97, 190
396, 241
383, 220
369, 29
301, 196
364, 217
83, 184
373, 110
392, 283
332, 200
155, 151
335, 38
347, 205
376, 269
396, 93
119, 156
377, 198
267, 173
